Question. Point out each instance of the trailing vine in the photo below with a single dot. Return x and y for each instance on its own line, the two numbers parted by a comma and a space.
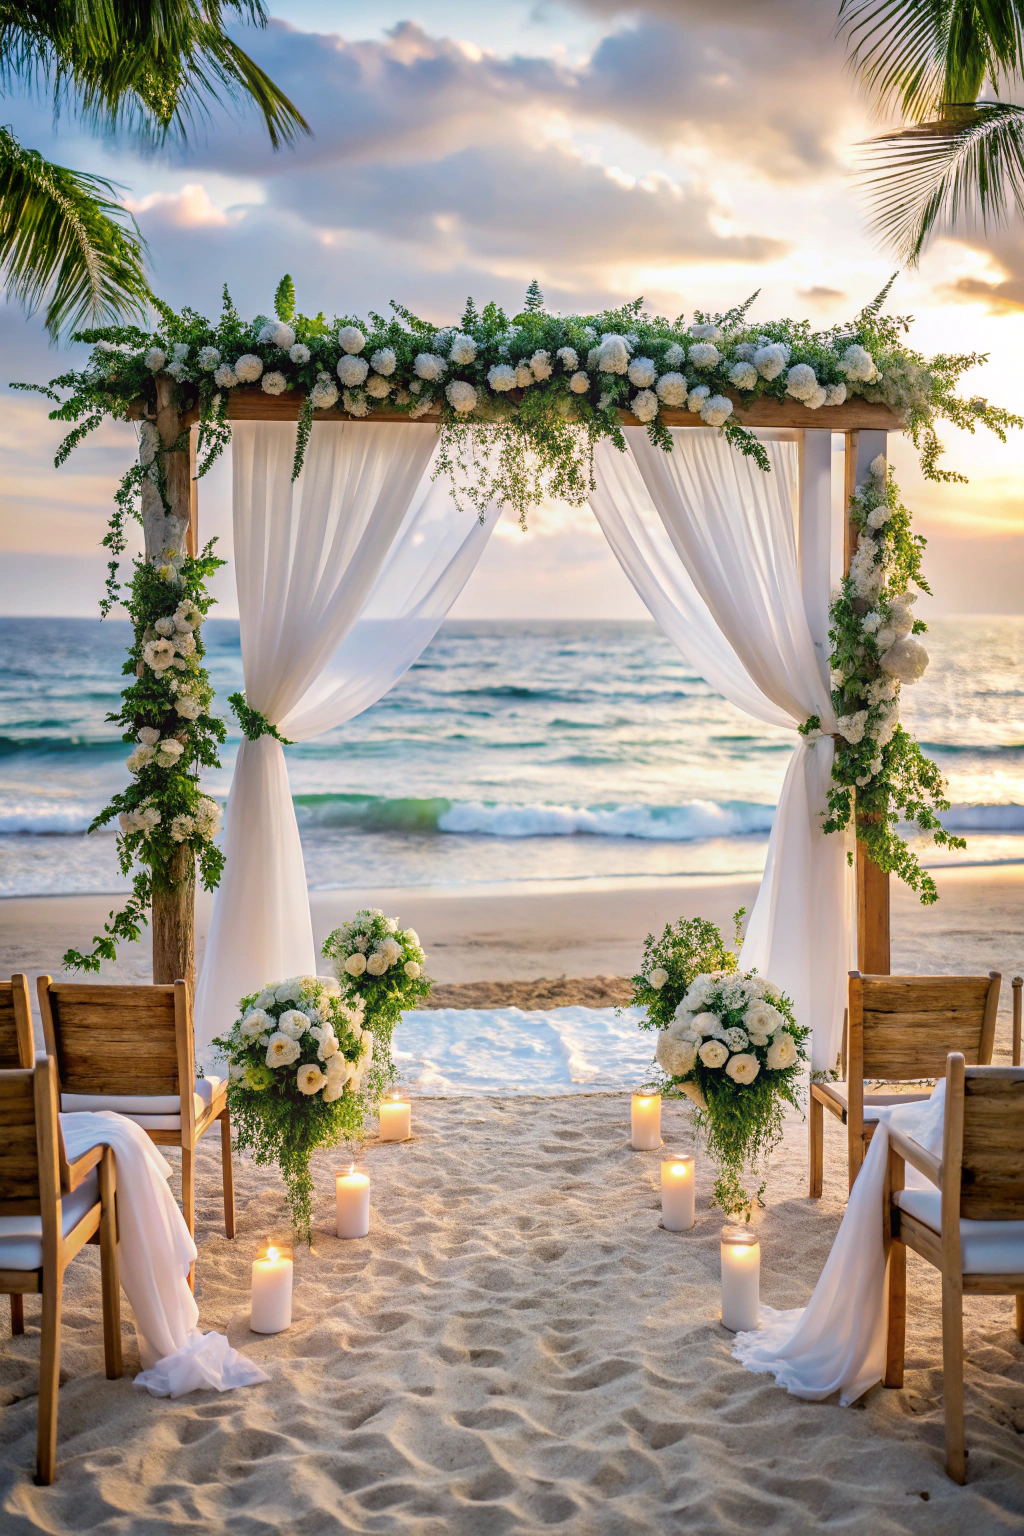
165, 718
880, 776
253, 723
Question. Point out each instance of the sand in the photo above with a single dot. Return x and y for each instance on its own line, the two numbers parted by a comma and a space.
518, 1346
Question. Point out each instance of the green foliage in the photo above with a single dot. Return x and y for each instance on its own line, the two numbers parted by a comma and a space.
284, 298
686, 949
324, 1046
380, 967
254, 725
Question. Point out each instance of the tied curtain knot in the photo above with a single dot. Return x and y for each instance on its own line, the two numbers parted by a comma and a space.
253, 723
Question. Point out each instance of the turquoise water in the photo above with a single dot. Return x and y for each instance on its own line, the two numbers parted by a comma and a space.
511, 751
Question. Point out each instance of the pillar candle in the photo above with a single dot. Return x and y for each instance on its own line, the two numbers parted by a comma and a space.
677, 1191
271, 1291
353, 1200
395, 1119
741, 1278
646, 1121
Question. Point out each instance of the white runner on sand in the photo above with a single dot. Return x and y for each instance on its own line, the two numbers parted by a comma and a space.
154, 1252
837, 1342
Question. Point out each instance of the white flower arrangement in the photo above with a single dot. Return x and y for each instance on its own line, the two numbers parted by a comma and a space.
156, 359
502, 378
384, 361
703, 355
672, 389
716, 410
429, 366
462, 397
382, 966
274, 383
351, 339
352, 370
569, 358
462, 350
644, 405
642, 372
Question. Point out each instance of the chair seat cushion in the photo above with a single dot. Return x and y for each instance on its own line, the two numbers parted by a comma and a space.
986, 1247
840, 1094
21, 1237
153, 1112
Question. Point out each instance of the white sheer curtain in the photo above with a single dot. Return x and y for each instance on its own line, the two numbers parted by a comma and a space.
343, 578
709, 541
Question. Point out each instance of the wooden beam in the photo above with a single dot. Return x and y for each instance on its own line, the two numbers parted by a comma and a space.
251, 404
874, 955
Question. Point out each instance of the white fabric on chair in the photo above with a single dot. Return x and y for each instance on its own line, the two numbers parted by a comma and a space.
709, 541
343, 578
837, 1342
154, 1253
986, 1247
154, 1112
21, 1237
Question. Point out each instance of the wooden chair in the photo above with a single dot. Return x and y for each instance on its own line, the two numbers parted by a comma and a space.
970, 1226
131, 1050
1018, 983
50, 1208
17, 1048
899, 1029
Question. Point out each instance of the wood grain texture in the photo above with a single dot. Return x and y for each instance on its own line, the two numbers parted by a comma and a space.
19, 1155
910, 1024
16, 1044
246, 403
992, 1167
112, 1039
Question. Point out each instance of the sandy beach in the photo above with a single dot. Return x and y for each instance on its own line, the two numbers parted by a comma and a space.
518, 1346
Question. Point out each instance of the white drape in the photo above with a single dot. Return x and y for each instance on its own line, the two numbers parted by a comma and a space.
343, 578
709, 542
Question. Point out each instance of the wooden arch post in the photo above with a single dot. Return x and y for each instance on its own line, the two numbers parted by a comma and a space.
864, 425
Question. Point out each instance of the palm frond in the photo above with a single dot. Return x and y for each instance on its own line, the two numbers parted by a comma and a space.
967, 164
65, 242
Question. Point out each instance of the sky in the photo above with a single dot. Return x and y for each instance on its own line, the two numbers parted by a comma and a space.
685, 151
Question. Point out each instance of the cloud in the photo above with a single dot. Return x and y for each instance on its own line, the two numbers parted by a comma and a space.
191, 208
817, 294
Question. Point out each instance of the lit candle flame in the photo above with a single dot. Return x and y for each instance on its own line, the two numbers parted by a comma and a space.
272, 1254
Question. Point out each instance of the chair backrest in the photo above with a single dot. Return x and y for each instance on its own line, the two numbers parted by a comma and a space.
904, 1027
17, 1048
989, 1104
29, 1141
118, 1039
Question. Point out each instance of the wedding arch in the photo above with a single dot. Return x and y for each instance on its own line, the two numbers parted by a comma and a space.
705, 452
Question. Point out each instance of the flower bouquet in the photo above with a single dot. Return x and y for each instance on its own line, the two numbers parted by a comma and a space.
298, 1056
380, 969
734, 1048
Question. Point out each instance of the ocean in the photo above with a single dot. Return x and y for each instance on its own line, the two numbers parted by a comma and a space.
511, 752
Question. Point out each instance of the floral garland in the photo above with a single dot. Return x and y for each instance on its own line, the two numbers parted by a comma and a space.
163, 817
880, 775
297, 1058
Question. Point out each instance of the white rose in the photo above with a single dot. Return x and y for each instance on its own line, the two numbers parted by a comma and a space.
266, 997
782, 1052
352, 370
412, 937
713, 1053
248, 368
743, 1068
706, 1024
255, 1023
293, 1023
762, 1019
411, 969
309, 1079
355, 965
328, 1044
282, 1050
351, 338
756, 1038
377, 964
658, 978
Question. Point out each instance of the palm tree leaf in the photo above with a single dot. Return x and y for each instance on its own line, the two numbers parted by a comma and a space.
65, 242
968, 163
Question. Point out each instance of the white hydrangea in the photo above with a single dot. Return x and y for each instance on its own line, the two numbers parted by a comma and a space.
299, 353
540, 365
858, 364
706, 332
716, 410
352, 370
384, 361
676, 1056
378, 387
225, 377
901, 614
155, 359
801, 381
905, 660
248, 368
429, 366
642, 372
462, 397
745, 351
879, 516
501, 377
524, 375
743, 375
351, 339
815, 401
878, 467
835, 394
696, 398
871, 622
208, 358
882, 690
324, 393
421, 407
674, 355
704, 354
280, 333
645, 405
569, 358
148, 735
770, 359
579, 383
462, 350
355, 402
658, 977
188, 707
274, 383
851, 727
613, 354
671, 388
